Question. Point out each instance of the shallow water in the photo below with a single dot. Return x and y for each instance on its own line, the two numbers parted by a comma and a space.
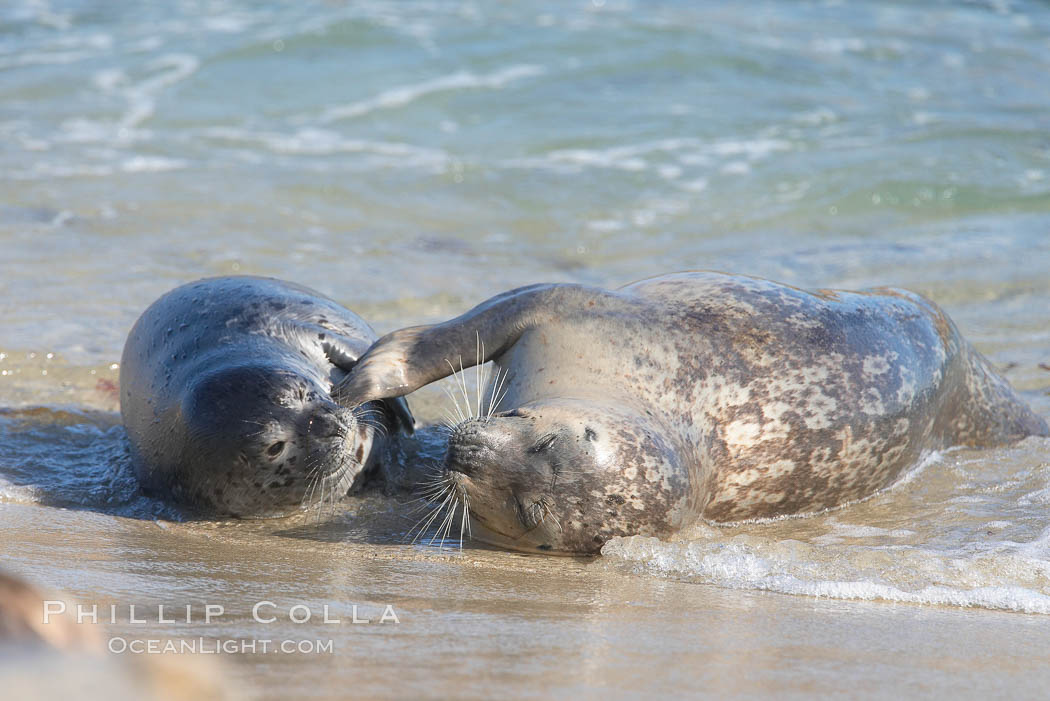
411, 159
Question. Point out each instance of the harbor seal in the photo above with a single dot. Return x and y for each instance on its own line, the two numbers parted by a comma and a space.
695, 395
224, 392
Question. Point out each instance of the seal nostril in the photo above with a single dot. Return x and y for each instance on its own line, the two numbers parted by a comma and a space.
459, 458
513, 414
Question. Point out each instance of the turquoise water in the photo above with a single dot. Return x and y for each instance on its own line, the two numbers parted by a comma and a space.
410, 159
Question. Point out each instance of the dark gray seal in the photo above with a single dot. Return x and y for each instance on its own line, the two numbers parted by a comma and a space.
224, 391
695, 395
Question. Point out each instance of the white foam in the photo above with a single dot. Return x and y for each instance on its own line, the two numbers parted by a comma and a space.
840, 531
17, 494
1038, 497
789, 567
401, 96
110, 79
687, 151
1036, 548
42, 58
151, 164
838, 45
736, 168
169, 70
141, 98
226, 24
933, 457
753, 149
605, 225
42, 170
817, 117
323, 142
698, 185
611, 158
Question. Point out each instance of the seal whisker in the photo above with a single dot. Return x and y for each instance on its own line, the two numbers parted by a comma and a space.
321, 489
450, 497
429, 518
549, 512
449, 422
433, 480
434, 493
376, 426
462, 381
361, 413
451, 522
441, 525
322, 506
331, 483
306, 494
314, 476
451, 395
499, 390
422, 504
464, 520
479, 357
466, 513
494, 382
446, 523
263, 426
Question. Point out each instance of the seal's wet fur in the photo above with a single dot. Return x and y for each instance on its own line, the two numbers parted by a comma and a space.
224, 391
696, 395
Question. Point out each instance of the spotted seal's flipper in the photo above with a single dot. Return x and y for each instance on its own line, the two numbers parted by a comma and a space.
405, 360
341, 353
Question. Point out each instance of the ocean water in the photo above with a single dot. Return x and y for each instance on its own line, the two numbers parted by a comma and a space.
411, 159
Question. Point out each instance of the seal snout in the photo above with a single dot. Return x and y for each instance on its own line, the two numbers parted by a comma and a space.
470, 441
329, 422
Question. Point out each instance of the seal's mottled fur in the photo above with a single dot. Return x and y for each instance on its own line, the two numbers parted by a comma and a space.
695, 395
224, 391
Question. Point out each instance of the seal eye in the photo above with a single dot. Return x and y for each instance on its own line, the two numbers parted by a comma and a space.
275, 449
544, 443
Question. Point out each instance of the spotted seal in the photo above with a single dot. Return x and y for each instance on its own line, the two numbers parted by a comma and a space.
224, 391
696, 395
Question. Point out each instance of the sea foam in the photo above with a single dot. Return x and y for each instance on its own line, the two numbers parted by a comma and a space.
1013, 579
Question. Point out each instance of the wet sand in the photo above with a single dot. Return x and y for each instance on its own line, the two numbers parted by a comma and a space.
481, 623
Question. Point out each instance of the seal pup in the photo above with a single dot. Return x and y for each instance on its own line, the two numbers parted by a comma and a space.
695, 395
224, 392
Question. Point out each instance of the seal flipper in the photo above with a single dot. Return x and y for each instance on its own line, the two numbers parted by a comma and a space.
342, 355
339, 351
398, 408
405, 360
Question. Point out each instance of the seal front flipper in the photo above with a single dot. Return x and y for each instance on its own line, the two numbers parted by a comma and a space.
342, 354
405, 360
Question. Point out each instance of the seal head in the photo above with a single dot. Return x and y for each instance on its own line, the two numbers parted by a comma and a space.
261, 439
564, 476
